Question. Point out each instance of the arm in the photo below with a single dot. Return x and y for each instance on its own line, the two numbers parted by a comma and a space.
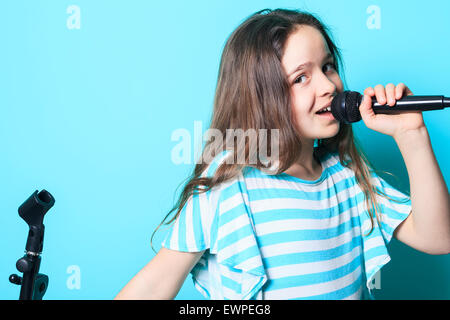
428, 227
162, 277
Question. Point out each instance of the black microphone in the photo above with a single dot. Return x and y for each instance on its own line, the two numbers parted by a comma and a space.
345, 105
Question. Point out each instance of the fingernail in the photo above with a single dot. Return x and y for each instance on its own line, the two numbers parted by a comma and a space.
365, 97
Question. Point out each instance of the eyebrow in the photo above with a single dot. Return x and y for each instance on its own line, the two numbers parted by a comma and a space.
307, 64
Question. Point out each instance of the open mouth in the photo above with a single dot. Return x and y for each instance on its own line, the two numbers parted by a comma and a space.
325, 113
326, 110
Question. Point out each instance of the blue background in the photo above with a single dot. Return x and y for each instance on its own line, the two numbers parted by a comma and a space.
88, 114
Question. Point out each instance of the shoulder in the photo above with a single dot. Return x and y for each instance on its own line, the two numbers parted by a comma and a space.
333, 162
226, 189
214, 163
338, 169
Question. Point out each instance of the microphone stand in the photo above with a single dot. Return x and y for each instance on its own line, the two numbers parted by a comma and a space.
33, 284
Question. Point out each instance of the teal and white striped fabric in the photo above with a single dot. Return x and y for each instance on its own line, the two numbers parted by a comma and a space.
281, 237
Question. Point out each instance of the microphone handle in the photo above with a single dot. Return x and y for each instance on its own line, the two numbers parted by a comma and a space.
423, 103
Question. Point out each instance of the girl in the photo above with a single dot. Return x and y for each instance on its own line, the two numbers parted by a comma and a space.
313, 223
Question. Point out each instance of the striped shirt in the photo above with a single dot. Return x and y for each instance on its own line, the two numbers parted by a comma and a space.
280, 237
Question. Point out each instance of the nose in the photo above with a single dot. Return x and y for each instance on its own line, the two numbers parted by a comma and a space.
324, 86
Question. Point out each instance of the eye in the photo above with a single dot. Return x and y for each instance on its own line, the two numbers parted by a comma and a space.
299, 79
330, 64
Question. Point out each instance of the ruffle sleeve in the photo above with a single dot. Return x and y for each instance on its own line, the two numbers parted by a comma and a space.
392, 212
219, 221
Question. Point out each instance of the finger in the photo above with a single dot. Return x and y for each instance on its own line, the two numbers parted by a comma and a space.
400, 90
380, 94
390, 94
369, 91
366, 111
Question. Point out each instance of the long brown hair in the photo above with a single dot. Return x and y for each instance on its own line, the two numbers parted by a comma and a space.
253, 93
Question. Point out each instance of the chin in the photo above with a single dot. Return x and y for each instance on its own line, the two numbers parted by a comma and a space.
330, 132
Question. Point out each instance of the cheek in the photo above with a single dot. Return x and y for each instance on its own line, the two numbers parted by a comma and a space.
301, 106
338, 83
302, 102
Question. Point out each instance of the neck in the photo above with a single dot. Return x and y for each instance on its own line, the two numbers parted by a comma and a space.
306, 165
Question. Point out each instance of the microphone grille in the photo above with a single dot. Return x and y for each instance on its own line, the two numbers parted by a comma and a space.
345, 106
352, 103
338, 107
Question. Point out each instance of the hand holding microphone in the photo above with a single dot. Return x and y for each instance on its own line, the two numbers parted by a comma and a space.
398, 115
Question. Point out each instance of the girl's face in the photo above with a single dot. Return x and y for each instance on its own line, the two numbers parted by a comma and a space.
314, 81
